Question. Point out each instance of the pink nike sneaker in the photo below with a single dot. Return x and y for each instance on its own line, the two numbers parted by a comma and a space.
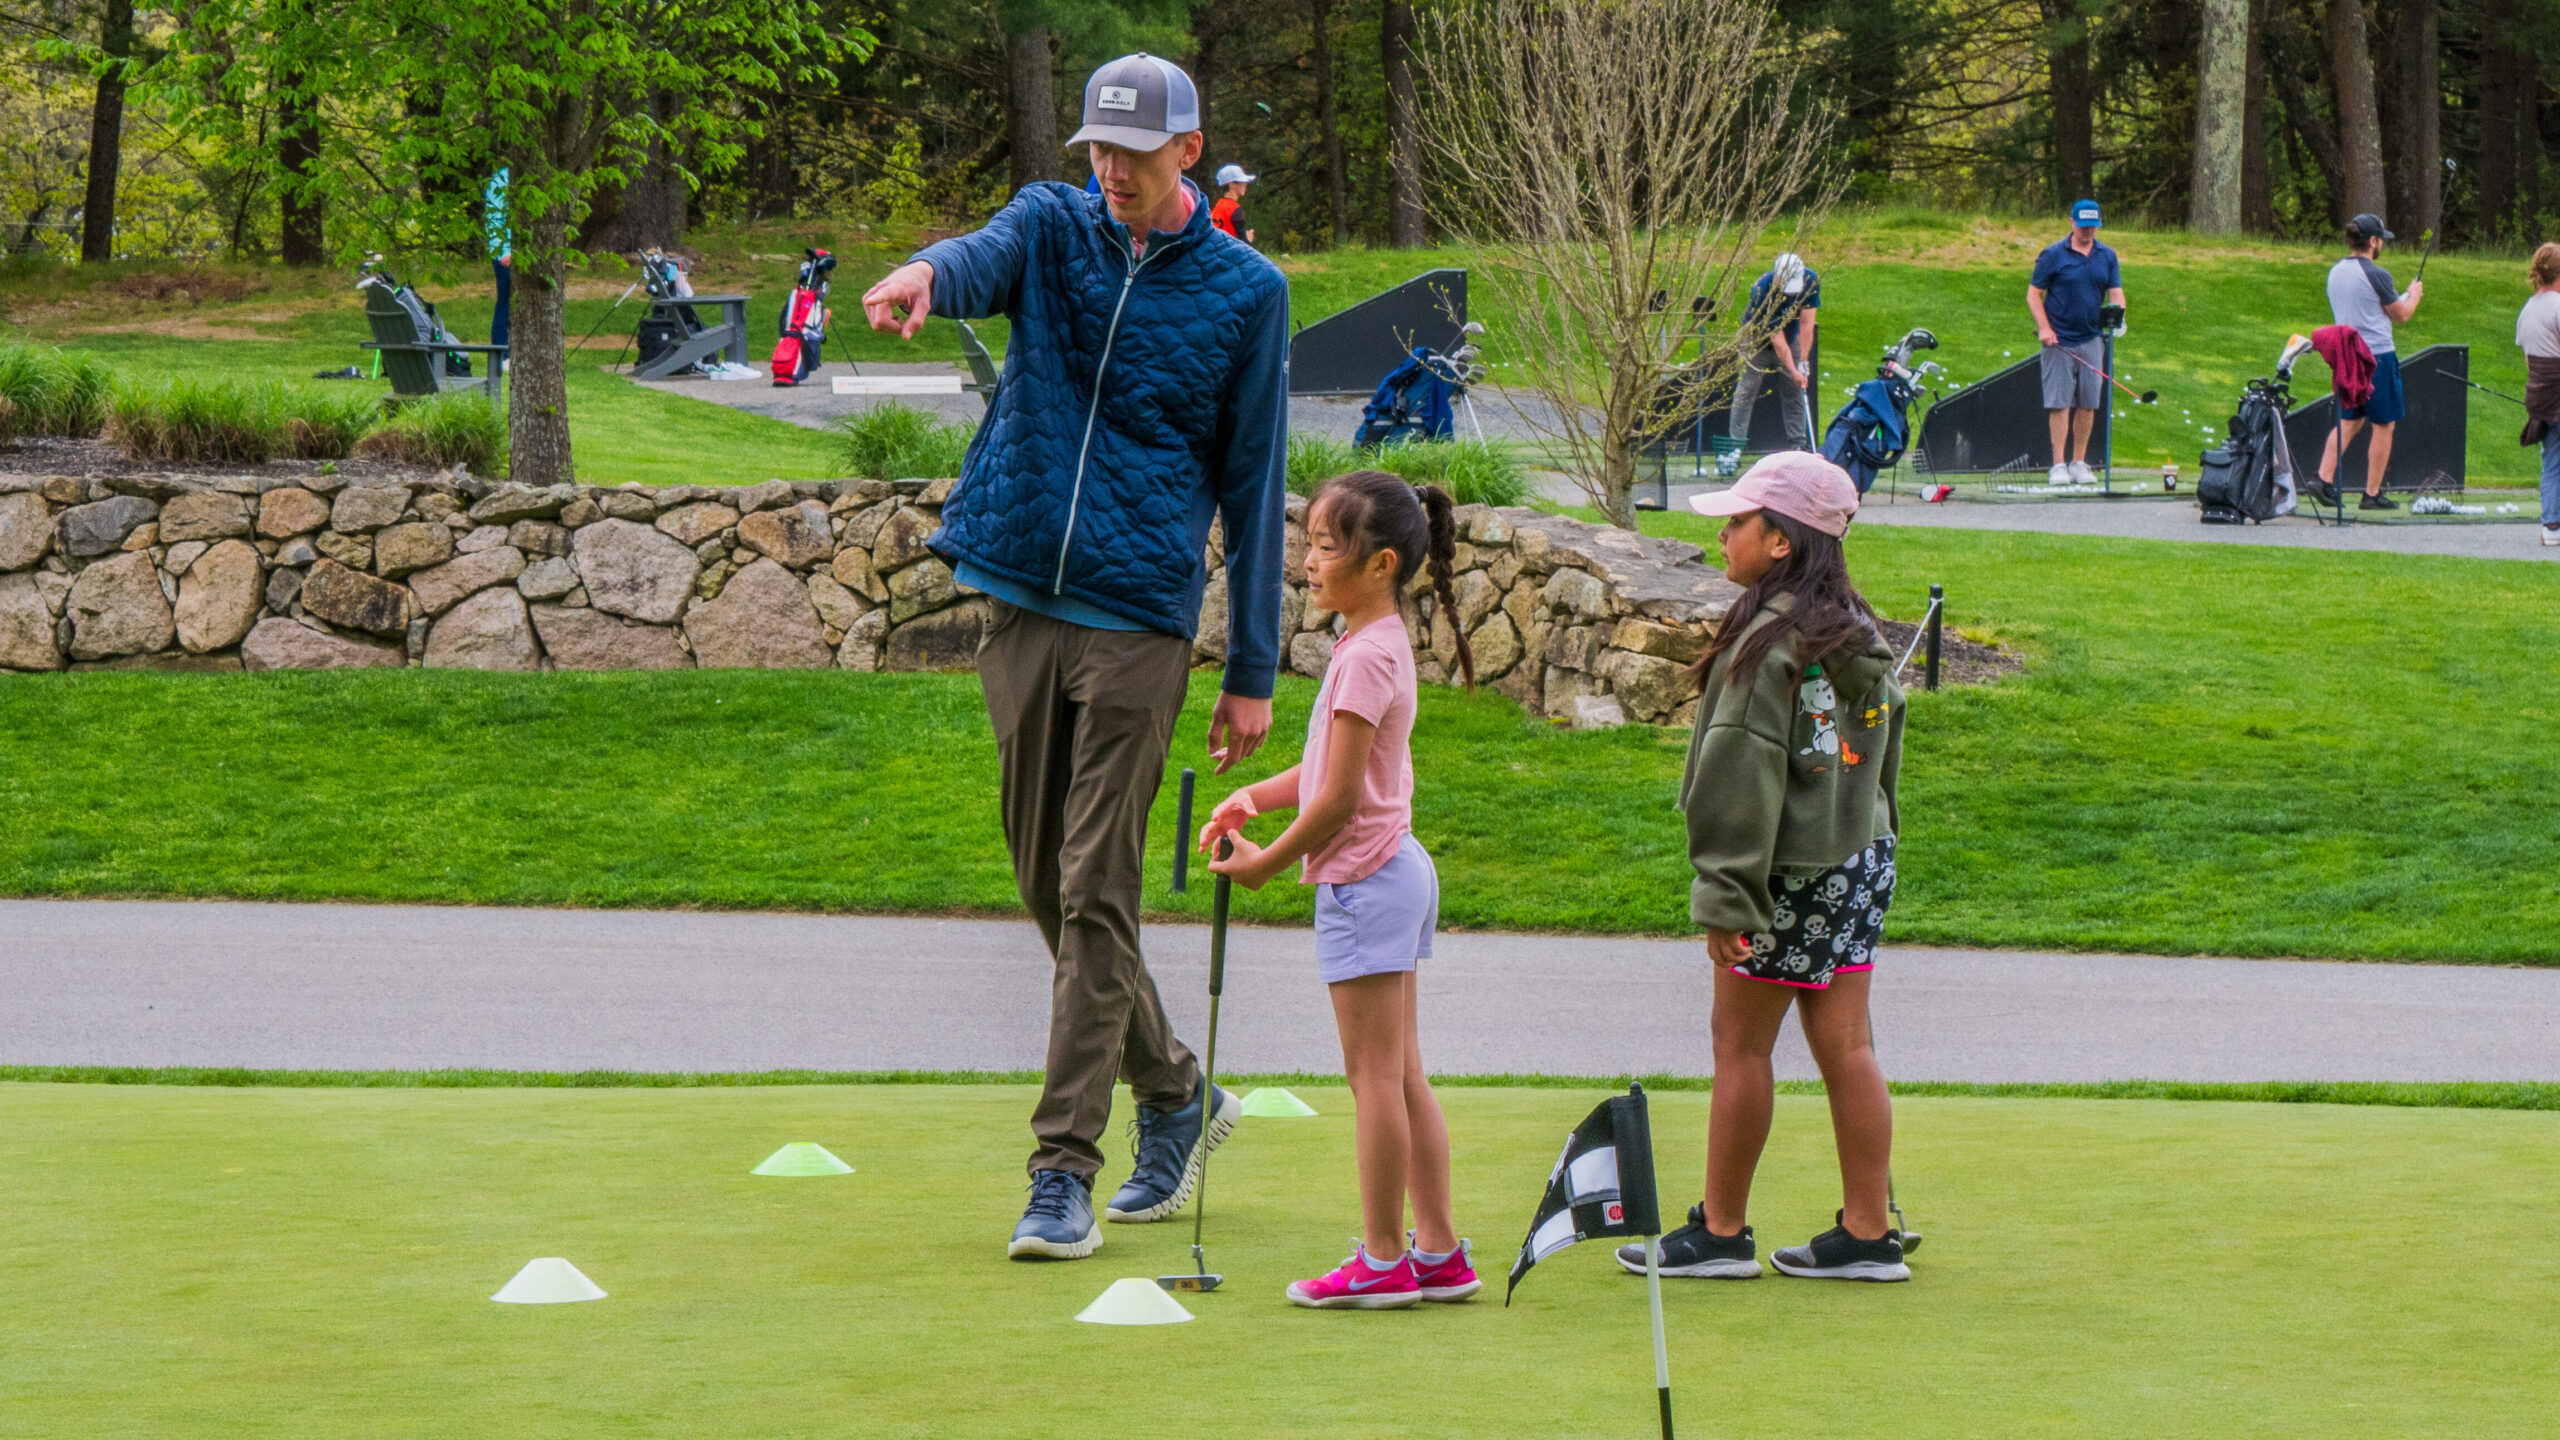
1355, 1285
1450, 1281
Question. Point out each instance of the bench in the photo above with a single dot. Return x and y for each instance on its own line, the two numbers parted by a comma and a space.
694, 338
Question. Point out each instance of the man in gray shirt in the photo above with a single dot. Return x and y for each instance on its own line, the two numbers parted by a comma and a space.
2361, 296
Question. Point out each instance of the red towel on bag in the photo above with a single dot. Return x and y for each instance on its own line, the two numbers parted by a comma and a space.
2350, 363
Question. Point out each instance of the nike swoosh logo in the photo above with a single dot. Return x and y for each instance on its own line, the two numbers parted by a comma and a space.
1372, 1284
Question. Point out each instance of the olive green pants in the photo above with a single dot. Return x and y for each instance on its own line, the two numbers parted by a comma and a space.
1083, 719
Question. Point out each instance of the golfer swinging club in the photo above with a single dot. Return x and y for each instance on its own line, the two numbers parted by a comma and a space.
2073, 277
1144, 392
1777, 326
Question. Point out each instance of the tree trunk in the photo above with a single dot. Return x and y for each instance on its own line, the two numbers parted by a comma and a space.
106, 135
2359, 128
2067, 61
2412, 105
298, 158
2302, 114
1404, 128
647, 212
2257, 193
2501, 95
537, 363
1329, 117
1031, 120
2222, 86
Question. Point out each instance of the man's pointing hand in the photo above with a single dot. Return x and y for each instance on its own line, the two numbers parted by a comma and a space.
908, 288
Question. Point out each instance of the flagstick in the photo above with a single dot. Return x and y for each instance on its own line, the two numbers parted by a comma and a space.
1661, 1361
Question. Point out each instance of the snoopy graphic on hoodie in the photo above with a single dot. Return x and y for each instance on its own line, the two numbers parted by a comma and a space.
1816, 698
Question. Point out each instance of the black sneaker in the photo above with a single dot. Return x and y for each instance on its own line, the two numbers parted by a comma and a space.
2323, 493
1171, 1147
1058, 1223
1835, 1254
1695, 1252
2377, 502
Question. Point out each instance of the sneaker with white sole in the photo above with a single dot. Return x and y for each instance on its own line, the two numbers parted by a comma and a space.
1058, 1223
1171, 1147
2081, 474
1694, 1252
1835, 1254
1448, 1280
2551, 534
1356, 1284
2058, 475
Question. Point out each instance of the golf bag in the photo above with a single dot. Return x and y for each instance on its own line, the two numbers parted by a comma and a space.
1874, 428
1412, 403
2250, 477
422, 313
804, 321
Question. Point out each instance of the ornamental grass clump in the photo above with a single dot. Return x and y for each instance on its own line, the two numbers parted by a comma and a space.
898, 442
441, 432
51, 393
188, 421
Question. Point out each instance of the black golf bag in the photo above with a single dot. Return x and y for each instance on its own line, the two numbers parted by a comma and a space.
2250, 477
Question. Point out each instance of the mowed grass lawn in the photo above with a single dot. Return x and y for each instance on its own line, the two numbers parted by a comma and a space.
184, 1262
2213, 749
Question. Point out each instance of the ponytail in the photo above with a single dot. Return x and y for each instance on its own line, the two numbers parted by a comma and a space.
1378, 511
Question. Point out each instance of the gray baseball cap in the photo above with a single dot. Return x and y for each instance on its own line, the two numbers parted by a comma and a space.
1138, 102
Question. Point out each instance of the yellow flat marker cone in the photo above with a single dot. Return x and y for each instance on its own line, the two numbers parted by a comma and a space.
1270, 1102
802, 1158
551, 1281
1134, 1302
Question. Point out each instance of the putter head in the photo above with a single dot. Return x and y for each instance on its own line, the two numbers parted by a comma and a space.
1910, 1242
1199, 1284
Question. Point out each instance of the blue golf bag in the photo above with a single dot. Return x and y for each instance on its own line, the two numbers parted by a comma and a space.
1412, 403
1874, 428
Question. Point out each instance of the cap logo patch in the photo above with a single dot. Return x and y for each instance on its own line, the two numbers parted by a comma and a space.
1117, 97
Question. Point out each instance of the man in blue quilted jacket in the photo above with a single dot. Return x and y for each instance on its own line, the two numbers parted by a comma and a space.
1145, 392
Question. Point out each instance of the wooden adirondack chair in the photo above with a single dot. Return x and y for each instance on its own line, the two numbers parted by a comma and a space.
414, 360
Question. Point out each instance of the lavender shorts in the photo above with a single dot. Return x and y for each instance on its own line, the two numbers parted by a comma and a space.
1380, 925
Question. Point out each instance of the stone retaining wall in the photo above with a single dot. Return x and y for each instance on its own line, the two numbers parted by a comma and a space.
248, 572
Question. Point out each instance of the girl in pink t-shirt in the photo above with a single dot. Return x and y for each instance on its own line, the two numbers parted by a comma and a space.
1377, 896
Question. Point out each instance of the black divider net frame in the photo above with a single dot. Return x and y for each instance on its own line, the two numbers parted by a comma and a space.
1349, 352
2428, 449
1998, 425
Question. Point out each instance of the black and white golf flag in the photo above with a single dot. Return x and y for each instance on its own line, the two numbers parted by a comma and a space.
1602, 1184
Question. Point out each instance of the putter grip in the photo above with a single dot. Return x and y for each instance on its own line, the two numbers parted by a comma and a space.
1182, 835
1218, 925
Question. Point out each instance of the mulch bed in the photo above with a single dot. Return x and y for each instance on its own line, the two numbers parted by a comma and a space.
1960, 661
50, 457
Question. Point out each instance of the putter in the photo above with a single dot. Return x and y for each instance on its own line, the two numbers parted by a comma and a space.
1893, 1201
2147, 397
1202, 1279
1182, 835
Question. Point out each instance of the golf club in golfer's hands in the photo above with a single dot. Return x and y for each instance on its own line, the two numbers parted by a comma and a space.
1201, 1280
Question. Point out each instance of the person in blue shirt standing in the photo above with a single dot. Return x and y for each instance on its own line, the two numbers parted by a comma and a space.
2073, 278
502, 259
1144, 395
1777, 338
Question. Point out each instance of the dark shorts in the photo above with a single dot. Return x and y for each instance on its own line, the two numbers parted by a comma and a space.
1827, 924
2386, 404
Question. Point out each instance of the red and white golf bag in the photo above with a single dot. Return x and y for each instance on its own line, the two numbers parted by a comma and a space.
804, 321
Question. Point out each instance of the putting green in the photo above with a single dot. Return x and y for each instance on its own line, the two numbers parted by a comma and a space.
182, 1262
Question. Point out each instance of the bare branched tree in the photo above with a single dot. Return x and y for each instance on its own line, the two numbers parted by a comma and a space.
1614, 164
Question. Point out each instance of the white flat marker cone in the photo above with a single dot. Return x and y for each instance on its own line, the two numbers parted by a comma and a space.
1134, 1302
549, 1281
802, 1158
1271, 1102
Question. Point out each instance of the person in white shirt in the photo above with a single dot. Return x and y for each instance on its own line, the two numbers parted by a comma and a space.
2538, 333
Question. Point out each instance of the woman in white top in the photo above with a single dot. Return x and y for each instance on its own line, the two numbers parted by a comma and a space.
2538, 331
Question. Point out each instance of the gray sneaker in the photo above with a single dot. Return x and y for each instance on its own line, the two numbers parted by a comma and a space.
1835, 1254
1171, 1147
1058, 1223
1695, 1252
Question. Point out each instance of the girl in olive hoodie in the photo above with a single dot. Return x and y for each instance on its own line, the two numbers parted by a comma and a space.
1789, 799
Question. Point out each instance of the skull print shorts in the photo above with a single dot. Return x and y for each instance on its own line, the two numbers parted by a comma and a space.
1826, 924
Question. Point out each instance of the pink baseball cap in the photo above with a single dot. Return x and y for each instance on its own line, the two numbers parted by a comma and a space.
1797, 484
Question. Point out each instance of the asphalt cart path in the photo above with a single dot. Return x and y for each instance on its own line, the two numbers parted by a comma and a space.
275, 986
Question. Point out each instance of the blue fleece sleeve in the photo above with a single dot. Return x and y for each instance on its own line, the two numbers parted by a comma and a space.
1253, 498
977, 274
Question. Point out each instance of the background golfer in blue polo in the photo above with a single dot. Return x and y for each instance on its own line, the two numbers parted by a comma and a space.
2073, 277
